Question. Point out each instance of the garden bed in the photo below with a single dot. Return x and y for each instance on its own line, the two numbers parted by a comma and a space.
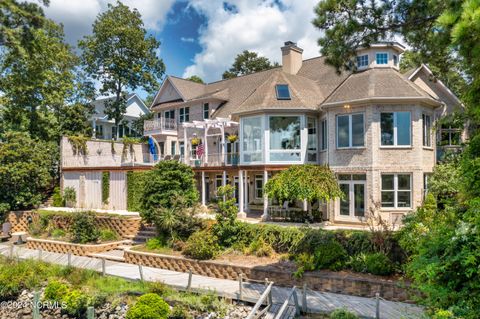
56, 246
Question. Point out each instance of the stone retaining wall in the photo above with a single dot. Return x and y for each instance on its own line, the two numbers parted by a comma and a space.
126, 227
64, 247
364, 286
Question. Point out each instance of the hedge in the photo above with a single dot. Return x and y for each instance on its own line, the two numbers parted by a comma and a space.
134, 190
105, 187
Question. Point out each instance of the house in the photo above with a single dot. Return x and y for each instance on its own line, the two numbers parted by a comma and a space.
104, 128
374, 127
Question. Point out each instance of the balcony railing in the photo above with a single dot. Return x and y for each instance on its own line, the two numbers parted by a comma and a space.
161, 124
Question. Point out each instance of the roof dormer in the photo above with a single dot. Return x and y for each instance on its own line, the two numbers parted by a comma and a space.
379, 55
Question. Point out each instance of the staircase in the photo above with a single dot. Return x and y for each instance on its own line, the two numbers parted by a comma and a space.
48, 202
145, 233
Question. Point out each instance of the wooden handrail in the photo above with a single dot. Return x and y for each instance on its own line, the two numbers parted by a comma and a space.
261, 300
284, 306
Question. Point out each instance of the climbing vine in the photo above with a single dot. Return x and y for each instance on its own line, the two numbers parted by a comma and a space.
134, 190
79, 144
105, 187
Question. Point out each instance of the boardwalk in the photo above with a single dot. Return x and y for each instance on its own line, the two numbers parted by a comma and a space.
317, 302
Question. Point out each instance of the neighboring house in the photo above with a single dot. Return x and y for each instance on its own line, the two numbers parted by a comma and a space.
103, 128
373, 127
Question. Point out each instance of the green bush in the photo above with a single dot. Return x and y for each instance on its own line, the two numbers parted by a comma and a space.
58, 233
180, 312
260, 248
106, 187
83, 228
134, 190
55, 291
108, 234
149, 306
343, 314
305, 262
378, 264
70, 196
202, 245
58, 200
75, 303
331, 255
155, 243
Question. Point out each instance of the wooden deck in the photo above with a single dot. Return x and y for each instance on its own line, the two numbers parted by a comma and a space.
317, 302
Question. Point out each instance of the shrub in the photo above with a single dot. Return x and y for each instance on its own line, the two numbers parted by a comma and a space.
330, 255
75, 303
58, 233
343, 314
108, 235
202, 245
180, 312
134, 190
106, 187
155, 243
378, 264
305, 262
55, 291
70, 196
83, 228
260, 248
149, 306
58, 200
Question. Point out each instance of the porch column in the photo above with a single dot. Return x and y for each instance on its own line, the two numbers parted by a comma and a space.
94, 128
185, 146
246, 192
241, 212
224, 181
205, 145
204, 201
265, 197
222, 131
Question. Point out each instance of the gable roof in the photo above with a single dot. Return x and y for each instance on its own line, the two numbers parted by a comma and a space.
187, 89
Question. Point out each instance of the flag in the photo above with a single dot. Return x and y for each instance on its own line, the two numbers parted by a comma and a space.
151, 146
200, 150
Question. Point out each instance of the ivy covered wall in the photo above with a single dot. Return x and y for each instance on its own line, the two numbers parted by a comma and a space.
134, 189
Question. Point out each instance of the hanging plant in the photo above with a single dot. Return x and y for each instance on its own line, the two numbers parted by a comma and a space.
195, 141
232, 138
79, 144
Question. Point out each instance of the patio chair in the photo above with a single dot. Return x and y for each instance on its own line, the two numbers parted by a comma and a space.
167, 157
6, 230
176, 157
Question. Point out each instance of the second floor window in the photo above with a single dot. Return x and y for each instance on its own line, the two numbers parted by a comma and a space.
350, 130
170, 114
450, 135
284, 141
184, 115
382, 58
312, 143
395, 129
206, 111
427, 130
362, 61
324, 139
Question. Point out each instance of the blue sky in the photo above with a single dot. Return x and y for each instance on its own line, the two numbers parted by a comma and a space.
202, 37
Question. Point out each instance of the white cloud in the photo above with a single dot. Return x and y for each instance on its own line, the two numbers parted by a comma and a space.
77, 16
256, 25
191, 40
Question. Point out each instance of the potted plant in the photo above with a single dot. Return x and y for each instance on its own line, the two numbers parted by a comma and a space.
195, 141
232, 138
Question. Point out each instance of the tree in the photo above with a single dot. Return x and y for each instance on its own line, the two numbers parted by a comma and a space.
196, 79
246, 63
137, 125
25, 170
304, 182
166, 182
121, 56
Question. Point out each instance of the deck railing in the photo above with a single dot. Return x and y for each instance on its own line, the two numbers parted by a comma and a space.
161, 124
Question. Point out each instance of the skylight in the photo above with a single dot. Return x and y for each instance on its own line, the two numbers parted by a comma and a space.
283, 93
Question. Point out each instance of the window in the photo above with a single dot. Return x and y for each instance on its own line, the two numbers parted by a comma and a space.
99, 131
350, 130
284, 137
173, 147
206, 111
396, 190
426, 178
120, 130
362, 61
427, 134
184, 114
395, 59
353, 186
258, 186
312, 139
283, 93
450, 135
382, 58
395, 129
114, 132
252, 139
181, 147
324, 141
170, 114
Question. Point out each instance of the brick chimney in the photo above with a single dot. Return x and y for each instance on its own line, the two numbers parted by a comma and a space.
291, 57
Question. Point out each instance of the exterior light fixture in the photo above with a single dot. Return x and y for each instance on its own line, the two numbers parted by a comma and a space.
347, 106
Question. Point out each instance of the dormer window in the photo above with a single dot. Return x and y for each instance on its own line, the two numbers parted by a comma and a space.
382, 58
283, 93
362, 61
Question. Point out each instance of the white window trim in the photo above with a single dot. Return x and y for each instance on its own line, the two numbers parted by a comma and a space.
316, 125
395, 136
395, 191
376, 59
206, 110
425, 133
324, 135
303, 140
350, 131
351, 195
265, 143
361, 67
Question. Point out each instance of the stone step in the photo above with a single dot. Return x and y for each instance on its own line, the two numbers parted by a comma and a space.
147, 233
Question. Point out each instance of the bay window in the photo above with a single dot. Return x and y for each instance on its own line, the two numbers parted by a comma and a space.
252, 139
396, 190
312, 142
350, 130
395, 129
285, 144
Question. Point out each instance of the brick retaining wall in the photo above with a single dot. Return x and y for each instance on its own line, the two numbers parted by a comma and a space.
363, 286
64, 247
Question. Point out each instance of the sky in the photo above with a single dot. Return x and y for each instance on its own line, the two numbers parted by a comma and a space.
203, 37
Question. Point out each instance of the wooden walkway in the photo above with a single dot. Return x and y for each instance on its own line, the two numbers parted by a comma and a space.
317, 302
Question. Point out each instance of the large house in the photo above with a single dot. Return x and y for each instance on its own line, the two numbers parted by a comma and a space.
104, 128
374, 127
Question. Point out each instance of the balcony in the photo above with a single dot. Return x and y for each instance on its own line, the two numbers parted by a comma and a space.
160, 126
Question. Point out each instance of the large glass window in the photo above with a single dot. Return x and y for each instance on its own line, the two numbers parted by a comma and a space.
184, 114
252, 139
324, 143
350, 130
427, 133
170, 114
450, 135
382, 58
362, 61
258, 186
312, 143
395, 129
206, 110
396, 190
353, 188
285, 142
